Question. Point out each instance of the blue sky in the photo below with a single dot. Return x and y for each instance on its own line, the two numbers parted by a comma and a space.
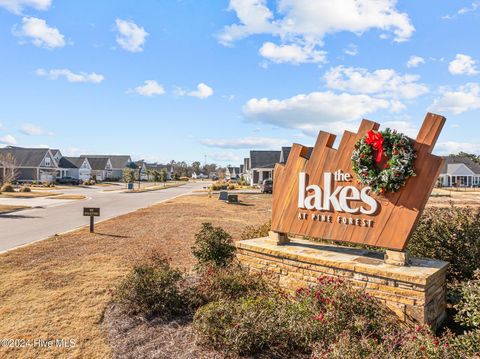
167, 79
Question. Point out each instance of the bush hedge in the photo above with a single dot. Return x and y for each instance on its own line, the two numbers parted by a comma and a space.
450, 234
213, 246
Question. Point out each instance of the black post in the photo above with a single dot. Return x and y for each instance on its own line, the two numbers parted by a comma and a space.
91, 224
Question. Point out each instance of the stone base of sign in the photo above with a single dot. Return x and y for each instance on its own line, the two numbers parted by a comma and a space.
415, 293
396, 258
278, 238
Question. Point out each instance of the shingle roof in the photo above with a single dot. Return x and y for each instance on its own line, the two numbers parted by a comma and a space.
264, 159
286, 153
453, 159
98, 164
71, 162
26, 157
117, 161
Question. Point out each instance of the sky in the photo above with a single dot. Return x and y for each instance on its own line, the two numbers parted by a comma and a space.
196, 80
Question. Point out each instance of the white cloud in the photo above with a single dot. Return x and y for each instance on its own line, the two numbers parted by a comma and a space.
314, 111
406, 127
131, 37
150, 88
464, 10
383, 83
229, 157
452, 147
70, 76
414, 61
40, 33
8, 140
351, 50
203, 91
33, 130
17, 6
463, 64
246, 142
306, 23
464, 98
291, 53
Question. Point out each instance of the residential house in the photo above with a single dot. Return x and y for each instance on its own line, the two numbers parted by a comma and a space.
142, 170
30, 164
199, 175
159, 167
232, 173
75, 167
260, 166
459, 171
57, 155
118, 162
101, 168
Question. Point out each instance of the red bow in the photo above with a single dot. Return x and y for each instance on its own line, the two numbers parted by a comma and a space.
376, 140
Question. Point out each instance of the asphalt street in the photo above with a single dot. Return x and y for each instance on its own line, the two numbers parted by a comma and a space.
51, 216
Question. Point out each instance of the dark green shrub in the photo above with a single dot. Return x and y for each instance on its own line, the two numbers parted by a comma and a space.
213, 246
256, 231
450, 234
7, 187
25, 189
469, 305
153, 288
231, 282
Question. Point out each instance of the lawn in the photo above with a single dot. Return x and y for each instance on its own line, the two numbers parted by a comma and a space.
60, 287
442, 197
32, 194
5, 208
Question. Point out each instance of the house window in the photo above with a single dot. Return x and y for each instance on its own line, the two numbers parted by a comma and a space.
48, 161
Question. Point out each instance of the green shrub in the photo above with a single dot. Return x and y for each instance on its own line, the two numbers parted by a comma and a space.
7, 187
231, 187
450, 234
232, 282
256, 231
25, 189
469, 305
467, 344
153, 288
213, 246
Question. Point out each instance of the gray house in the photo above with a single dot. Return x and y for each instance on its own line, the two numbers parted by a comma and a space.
118, 163
261, 165
31, 164
459, 171
232, 173
75, 167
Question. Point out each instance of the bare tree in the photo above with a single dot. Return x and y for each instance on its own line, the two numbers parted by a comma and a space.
8, 167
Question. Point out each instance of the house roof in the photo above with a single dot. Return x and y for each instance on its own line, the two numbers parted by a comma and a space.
97, 163
264, 159
158, 166
117, 161
453, 160
71, 162
286, 152
26, 157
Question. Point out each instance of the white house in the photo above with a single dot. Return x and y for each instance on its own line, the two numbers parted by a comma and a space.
232, 173
118, 163
459, 171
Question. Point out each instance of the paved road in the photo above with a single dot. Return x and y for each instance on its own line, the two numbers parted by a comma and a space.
57, 216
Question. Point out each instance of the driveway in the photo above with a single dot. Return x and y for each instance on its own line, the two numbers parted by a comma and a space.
52, 216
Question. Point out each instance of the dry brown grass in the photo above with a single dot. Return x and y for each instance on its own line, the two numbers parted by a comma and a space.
69, 196
32, 194
5, 208
459, 197
60, 287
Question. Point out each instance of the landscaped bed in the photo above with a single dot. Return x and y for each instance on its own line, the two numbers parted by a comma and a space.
32, 194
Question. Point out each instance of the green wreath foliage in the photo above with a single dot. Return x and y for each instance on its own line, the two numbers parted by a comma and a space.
399, 167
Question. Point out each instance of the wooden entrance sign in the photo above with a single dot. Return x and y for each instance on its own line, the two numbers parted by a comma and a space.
352, 213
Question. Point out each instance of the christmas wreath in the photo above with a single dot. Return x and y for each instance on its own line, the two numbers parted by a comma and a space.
384, 160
